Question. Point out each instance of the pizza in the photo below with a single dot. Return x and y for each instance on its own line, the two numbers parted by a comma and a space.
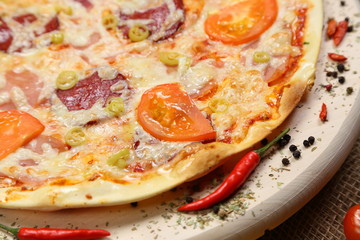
113, 101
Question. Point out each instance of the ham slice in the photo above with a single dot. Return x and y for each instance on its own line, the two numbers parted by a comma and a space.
52, 141
28, 82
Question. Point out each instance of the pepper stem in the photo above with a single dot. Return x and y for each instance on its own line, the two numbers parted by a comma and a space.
262, 150
13, 231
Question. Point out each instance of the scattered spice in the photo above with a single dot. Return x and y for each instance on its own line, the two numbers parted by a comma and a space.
216, 209
189, 199
349, 90
311, 140
340, 67
340, 32
235, 179
134, 204
341, 80
350, 29
331, 28
337, 57
292, 148
285, 161
297, 154
323, 113
328, 87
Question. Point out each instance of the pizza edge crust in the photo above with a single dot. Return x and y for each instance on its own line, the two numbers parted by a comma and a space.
207, 158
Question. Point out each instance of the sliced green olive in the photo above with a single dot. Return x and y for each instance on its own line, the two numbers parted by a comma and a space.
138, 33
66, 10
119, 158
75, 137
218, 105
109, 21
261, 57
66, 80
115, 106
57, 37
169, 58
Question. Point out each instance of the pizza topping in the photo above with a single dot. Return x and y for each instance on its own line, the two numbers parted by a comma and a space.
86, 3
261, 57
109, 21
6, 36
17, 128
91, 40
28, 82
67, 80
52, 25
75, 137
88, 91
115, 106
25, 18
162, 22
37, 144
241, 22
169, 58
138, 33
57, 38
168, 113
119, 159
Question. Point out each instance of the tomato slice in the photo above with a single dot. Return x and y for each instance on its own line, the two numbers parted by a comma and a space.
241, 22
17, 128
168, 113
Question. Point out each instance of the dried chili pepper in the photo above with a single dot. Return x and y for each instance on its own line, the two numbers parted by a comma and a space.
337, 57
340, 32
331, 28
323, 113
235, 179
56, 233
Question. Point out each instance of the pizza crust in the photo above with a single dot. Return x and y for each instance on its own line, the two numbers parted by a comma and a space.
193, 162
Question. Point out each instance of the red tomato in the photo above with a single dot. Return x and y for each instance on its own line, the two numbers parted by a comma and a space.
352, 223
17, 128
168, 113
242, 22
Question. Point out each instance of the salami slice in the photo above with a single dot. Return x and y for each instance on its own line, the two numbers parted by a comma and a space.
25, 18
86, 3
88, 91
6, 36
165, 20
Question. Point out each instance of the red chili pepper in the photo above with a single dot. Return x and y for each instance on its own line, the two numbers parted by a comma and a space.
340, 32
337, 57
235, 179
56, 233
323, 113
331, 28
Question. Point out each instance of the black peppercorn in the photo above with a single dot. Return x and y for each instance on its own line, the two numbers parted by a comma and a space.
306, 143
329, 74
335, 74
282, 142
340, 67
341, 80
342, 3
287, 137
347, 19
350, 28
285, 161
311, 140
293, 148
216, 209
189, 199
134, 204
349, 90
297, 154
